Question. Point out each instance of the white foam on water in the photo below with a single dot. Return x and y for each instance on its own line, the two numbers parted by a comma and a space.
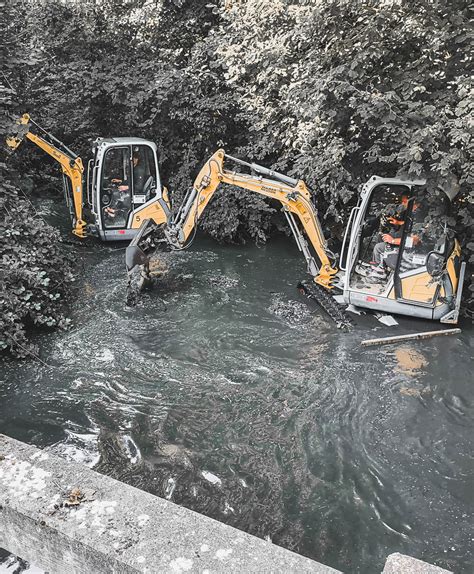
106, 356
79, 447
263, 370
170, 488
226, 380
228, 508
12, 563
212, 478
132, 450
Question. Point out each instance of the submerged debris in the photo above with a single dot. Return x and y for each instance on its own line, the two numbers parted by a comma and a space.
409, 337
387, 320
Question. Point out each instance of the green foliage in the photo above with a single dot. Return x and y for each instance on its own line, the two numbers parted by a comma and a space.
35, 268
36, 272
348, 88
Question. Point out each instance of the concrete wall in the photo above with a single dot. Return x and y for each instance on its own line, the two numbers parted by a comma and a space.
65, 518
116, 528
401, 564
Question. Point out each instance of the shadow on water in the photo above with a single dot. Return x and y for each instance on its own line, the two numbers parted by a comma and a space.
226, 392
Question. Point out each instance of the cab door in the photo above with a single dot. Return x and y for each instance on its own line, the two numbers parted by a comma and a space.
425, 231
148, 199
116, 187
144, 175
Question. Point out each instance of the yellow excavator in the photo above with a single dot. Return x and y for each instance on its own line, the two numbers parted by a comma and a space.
121, 189
424, 274
121, 198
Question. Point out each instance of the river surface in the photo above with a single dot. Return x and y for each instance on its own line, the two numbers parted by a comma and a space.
227, 392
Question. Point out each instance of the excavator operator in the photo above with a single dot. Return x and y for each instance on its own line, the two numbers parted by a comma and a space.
393, 230
117, 200
386, 252
117, 210
140, 172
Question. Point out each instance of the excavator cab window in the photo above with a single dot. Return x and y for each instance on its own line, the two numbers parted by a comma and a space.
116, 187
384, 215
387, 206
144, 174
401, 226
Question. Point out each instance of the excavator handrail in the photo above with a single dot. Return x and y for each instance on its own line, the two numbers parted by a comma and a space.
54, 139
345, 246
264, 170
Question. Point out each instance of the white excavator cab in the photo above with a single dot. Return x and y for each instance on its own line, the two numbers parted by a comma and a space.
399, 255
123, 187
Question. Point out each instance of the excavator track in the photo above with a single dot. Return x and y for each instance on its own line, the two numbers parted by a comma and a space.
325, 300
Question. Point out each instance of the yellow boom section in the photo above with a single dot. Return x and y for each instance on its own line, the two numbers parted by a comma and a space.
71, 167
295, 200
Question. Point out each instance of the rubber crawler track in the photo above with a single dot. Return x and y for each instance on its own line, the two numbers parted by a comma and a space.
325, 300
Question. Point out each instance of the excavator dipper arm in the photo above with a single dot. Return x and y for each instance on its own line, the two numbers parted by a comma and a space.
70, 163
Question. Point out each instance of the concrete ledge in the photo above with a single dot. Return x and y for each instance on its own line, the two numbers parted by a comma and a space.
401, 564
64, 517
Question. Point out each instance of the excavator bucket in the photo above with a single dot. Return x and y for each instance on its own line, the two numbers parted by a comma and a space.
18, 132
149, 239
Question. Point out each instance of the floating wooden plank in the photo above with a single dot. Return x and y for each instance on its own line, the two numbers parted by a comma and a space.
410, 337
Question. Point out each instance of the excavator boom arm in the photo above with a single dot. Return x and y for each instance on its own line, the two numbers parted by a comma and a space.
70, 163
295, 201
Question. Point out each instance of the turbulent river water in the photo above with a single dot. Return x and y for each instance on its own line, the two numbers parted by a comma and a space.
225, 391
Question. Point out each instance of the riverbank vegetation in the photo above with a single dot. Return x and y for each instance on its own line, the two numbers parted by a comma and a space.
36, 272
330, 92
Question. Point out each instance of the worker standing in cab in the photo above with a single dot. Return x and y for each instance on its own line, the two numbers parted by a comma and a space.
140, 172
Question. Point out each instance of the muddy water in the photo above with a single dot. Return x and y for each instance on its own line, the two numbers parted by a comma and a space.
226, 392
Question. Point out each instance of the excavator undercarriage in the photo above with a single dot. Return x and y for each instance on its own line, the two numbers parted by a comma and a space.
326, 301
